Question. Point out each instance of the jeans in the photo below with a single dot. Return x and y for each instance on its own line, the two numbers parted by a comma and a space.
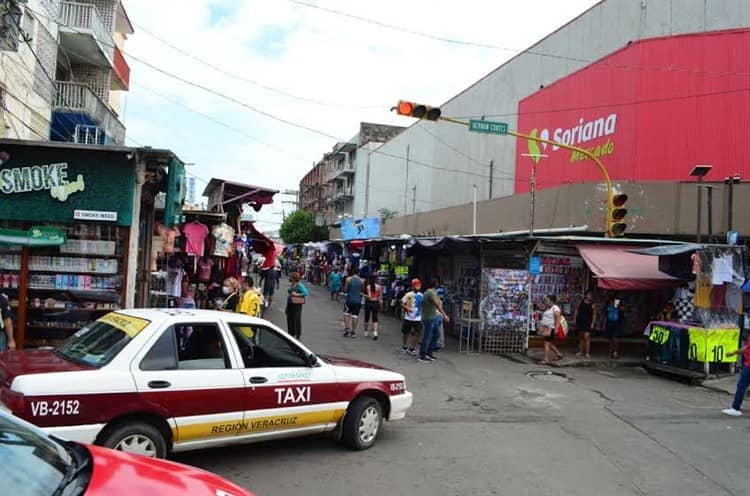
431, 328
436, 339
742, 384
3, 340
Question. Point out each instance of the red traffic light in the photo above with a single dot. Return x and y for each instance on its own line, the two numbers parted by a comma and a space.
417, 110
405, 108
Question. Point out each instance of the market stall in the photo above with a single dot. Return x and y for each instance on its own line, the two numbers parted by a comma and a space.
708, 311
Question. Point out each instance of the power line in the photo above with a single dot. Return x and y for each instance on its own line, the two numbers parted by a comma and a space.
252, 82
5, 107
219, 122
515, 51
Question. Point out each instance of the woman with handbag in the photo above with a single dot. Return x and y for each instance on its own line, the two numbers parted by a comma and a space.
548, 328
297, 293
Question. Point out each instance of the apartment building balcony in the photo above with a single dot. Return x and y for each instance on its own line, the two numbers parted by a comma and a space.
80, 116
343, 169
86, 39
341, 194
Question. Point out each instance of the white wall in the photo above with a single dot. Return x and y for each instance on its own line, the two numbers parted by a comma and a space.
601, 30
28, 93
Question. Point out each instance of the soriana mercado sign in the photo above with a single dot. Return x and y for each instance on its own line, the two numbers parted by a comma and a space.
650, 112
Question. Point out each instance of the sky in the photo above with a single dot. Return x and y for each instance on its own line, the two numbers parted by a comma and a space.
323, 71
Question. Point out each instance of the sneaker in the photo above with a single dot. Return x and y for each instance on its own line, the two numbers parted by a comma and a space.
432, 357
424, 360
412, 352
732, 412
346, 334
404, 349
352, 335
375, 337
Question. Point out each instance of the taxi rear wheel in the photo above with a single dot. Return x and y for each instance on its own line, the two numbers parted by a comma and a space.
138, 438
362, 423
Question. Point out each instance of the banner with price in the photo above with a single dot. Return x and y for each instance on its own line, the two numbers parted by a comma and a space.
712, 345
659, 334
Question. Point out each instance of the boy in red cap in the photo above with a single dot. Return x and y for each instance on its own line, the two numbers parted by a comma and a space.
412, 326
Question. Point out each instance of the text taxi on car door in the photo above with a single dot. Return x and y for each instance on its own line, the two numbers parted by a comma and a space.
151, 381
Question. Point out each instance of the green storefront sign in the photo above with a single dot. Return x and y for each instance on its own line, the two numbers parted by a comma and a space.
59, 184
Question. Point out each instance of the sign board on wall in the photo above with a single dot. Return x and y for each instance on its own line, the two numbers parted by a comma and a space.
644, 125
367, 228
61, 184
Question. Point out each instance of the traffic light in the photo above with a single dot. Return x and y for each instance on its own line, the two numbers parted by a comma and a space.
616, 213
417, 110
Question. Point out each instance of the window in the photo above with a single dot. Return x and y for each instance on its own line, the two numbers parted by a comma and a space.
188, 347
264, 347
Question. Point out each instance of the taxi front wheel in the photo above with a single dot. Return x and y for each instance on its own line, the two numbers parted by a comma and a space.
362, 423
139, 438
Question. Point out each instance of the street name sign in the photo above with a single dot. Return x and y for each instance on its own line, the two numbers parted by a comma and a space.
489, 127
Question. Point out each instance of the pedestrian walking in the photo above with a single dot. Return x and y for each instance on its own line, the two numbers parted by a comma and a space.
584, 319
297, 295
613, 326
411, 328
432, 308
373, 302
548, 328
335, 284
268, 283
251, 302
742, 382
7, 341
353, 288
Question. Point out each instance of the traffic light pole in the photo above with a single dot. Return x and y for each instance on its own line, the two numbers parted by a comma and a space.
582, 151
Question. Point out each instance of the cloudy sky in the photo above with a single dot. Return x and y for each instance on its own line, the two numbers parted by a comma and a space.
306, 65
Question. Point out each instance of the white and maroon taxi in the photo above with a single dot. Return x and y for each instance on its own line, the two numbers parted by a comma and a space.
152, 381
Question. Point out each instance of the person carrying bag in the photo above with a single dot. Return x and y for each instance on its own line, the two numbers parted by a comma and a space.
297, 294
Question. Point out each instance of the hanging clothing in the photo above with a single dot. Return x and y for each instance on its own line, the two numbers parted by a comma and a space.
223, 238
195, 238
703, 291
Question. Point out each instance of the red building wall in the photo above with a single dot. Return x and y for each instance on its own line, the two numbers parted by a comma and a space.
656, 108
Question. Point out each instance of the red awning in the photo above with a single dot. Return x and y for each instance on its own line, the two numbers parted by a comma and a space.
617, 268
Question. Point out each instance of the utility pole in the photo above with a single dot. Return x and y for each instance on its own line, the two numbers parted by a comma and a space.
492, 170
406, 181
414, 199
367, 186
532, 198
474, 217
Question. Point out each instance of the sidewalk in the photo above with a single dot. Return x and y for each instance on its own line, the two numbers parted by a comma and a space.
597, 359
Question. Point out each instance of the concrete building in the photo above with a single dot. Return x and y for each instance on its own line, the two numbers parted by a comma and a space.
667, 70
66, 83
336, 186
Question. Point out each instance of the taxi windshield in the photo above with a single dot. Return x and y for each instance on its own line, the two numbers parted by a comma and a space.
99, 342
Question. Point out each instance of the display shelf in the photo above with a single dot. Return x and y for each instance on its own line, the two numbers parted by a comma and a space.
75, 290
72, 271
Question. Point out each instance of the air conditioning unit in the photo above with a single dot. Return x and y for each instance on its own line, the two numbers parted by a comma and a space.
89, 135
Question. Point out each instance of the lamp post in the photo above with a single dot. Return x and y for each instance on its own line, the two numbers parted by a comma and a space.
700, 171
730, 182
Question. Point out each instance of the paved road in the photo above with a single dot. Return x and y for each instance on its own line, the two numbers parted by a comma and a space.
486, 425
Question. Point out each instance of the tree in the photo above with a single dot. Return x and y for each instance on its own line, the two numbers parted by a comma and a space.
299, 227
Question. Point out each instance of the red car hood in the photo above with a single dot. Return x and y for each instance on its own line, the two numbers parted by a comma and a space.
348, 362
15, 363
117, 473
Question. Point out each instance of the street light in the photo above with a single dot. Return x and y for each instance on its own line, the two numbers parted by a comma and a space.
730, 182
700, 171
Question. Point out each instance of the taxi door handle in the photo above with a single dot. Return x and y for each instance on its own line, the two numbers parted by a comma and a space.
159, 384
258, 380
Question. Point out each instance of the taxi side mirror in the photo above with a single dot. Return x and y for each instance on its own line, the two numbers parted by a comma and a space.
311, 360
